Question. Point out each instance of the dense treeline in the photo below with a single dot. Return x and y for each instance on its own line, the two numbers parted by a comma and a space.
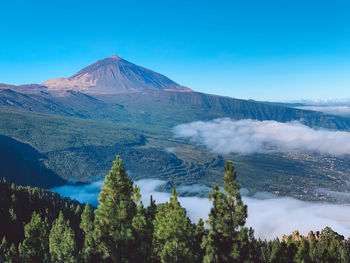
40, 226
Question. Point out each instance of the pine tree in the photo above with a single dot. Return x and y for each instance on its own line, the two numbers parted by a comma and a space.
302, 255
151, 212
172, 239
89, 250
199, 234
226, 221
114, 215
3, 249
35, 246
62, 241
279, 252
12, 255
142, 245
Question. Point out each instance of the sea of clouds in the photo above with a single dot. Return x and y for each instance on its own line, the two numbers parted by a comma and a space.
270, 216
252, 136
333, 110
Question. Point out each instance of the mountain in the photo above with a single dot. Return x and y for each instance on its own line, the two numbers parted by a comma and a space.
113, 89
77, 125
114, 75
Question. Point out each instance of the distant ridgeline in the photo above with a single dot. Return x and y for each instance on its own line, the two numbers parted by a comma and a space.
40, 226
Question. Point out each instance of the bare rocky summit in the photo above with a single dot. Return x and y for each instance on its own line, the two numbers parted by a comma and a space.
114, 75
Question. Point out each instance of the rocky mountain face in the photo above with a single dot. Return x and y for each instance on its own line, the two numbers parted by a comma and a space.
114, 75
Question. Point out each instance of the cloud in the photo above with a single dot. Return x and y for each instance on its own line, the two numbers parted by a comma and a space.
274, 217
82, 192
334, 110
269, 216
170, 149
323, 102
252, 136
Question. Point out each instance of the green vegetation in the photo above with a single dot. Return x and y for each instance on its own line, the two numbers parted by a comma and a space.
227, 237
82, 149
40, 226
21, 164
172, 233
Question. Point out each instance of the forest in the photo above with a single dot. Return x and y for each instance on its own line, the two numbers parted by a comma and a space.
37, 225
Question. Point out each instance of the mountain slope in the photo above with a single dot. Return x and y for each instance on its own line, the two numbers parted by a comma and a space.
114, 75
20, 164
65, 103
172, 108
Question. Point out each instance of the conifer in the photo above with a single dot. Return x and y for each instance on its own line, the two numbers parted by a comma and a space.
226, 220
114, 215
62, 241
199, 234
35, 246
89, 250
172, 239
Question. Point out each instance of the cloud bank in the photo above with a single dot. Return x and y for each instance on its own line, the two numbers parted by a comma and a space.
269, 216
252, 136
333, 110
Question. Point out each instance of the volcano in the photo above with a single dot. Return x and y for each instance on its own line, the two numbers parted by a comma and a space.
114, 75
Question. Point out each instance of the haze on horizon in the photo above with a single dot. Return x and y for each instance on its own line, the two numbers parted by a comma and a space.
263, 50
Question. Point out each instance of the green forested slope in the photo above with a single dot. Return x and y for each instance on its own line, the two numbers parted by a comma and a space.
40, 226
81, 149
22, 164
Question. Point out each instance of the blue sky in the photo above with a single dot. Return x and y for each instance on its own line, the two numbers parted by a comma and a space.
262, 49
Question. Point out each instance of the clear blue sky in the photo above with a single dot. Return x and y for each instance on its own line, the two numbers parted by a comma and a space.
262, 49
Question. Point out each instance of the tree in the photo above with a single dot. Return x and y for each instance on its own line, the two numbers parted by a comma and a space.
114, 215
199, 234
302, 255
151, 212
35, 246
89, 250
172, 233
3, 249
279, 252
142, 242
12, 256
62, 241
226, 220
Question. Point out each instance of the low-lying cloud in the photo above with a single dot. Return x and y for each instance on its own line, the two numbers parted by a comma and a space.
85, 193
333, 110
269, 215
252, 136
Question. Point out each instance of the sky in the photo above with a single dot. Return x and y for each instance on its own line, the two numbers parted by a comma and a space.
252, 49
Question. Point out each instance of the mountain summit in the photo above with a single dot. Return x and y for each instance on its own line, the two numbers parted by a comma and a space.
113, 75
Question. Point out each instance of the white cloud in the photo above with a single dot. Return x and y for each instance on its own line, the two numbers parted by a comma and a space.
334, 110
252, 136
269, 216
277, 216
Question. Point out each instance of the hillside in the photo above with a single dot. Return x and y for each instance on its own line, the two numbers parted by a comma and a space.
21, 164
